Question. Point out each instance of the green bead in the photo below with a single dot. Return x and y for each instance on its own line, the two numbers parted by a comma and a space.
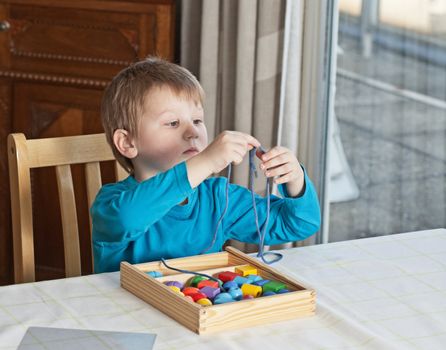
273, 286
194, 281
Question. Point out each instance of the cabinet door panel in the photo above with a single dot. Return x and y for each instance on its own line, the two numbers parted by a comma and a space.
56, 58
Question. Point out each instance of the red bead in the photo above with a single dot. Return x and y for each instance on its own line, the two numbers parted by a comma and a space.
190, 290
226, 276
207, 283
198, 296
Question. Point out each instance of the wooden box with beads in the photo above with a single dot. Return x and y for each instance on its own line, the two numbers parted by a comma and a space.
259, 293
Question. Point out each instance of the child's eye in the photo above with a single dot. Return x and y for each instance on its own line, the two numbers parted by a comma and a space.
198, 121
173, 123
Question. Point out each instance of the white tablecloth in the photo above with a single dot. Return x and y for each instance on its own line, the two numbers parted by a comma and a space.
376, 293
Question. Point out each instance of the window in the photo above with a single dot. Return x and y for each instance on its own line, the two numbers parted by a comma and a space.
387, 170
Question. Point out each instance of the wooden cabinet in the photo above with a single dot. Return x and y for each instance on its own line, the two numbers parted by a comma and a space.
56, 57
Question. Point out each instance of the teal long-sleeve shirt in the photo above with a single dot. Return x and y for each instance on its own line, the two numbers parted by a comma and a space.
143, 221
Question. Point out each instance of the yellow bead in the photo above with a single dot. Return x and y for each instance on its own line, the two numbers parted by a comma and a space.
175, 289
204, 302
250, 289
246, 270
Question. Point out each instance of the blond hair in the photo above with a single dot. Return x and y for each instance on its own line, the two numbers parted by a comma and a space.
123, 101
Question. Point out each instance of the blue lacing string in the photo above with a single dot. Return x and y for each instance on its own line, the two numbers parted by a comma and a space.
223, 213
261, 232
193, 273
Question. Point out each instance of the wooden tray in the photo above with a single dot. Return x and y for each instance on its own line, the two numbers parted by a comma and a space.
301, 301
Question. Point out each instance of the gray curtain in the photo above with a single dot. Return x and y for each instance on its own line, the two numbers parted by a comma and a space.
236, 49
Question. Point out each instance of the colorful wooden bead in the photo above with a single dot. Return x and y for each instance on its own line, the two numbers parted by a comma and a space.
246, 270
253, 278
175, 289
190, 290
189, 298
240, 280
226, 276
210, 292
223, 298
236, 293
198, 296
230, 284
248, 297
204, 302
250, 289
260, 283
195, 280
283, 291
266, 294
207, 283
154, 274
273, 286
174, 283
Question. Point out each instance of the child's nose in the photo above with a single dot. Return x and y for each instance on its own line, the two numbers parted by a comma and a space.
191, 132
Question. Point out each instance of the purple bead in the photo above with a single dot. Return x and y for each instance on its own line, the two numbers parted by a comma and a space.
210, 292
174, 283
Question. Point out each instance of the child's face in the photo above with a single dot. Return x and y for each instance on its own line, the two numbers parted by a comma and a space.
171, 130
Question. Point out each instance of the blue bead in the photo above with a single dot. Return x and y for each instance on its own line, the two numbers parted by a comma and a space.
260, 283
230, 284
236, 293
266, 294
154, 274
253, 278
223, 298
240, 280
282, 291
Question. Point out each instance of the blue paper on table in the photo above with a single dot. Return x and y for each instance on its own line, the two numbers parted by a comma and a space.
67, 339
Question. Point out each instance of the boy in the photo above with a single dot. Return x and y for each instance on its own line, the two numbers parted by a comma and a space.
168, 207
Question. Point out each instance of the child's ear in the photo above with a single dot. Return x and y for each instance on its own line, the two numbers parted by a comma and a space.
124, 143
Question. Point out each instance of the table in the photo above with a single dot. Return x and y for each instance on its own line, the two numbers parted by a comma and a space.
385, 292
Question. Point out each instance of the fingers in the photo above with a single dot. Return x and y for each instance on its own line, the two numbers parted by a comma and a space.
276, 157
274, 152
280, 170
252, 141
285, 178
280, 163
277, 161
238, 155
249, 140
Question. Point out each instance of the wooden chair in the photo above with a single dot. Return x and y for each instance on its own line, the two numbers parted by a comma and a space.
58, 152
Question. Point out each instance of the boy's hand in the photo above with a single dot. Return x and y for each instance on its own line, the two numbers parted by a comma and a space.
281, 163
228, 147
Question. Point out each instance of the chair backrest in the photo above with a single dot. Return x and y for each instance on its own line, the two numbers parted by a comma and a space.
58, 152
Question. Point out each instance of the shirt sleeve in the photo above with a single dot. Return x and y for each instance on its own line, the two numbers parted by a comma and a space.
122, 213
291, 219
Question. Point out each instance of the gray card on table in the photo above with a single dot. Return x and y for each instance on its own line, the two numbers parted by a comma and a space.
37, 338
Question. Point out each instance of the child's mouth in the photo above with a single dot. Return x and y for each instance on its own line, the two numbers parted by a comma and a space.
191, 151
